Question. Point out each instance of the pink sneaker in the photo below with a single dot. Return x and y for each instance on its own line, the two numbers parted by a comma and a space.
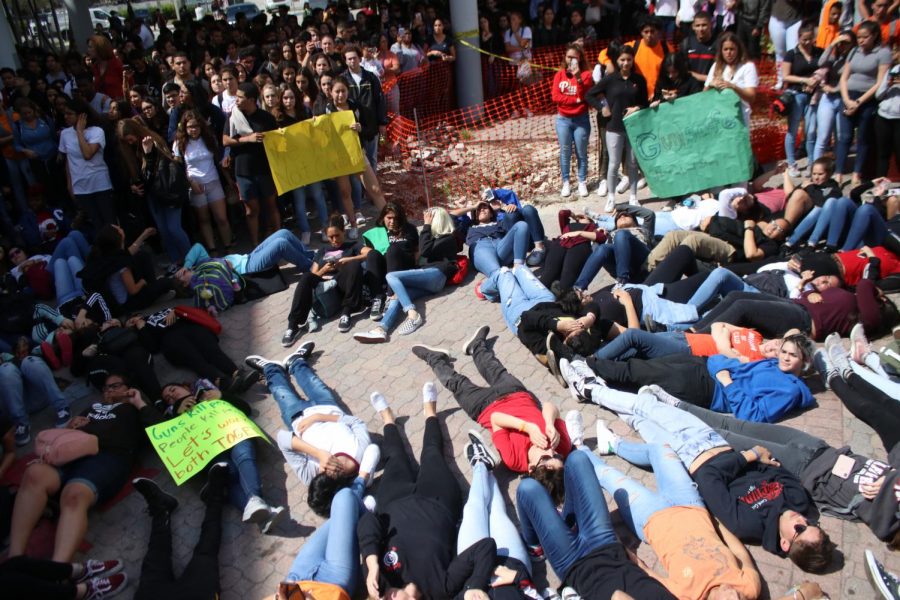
859, 344
478, 293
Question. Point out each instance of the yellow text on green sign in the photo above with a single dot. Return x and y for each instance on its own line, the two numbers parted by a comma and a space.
190, 441
316, 149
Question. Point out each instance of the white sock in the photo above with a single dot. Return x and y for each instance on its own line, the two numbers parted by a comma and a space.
379, 403
429, 392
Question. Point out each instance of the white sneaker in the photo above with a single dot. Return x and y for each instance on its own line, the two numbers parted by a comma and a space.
582, 189
606, 439
601, 190
579, 376
569, 593
575, 427
353, 234
256, 510
660, 394
346, 221
305, 237
360, 219
429, 392
642, 183
369, 503
369, 461
623, 185
610, 203
794, 172
632, 200
566, 190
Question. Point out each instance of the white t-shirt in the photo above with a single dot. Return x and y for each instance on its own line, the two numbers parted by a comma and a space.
744, 77
227, 104
88, 176
689, 218
665, 8
199, 161
509, 38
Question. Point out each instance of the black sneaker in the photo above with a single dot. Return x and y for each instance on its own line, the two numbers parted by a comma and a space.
290, 336
477, 451
157, 500
244, 379
304, 351
884, 582
344, 325
556, 351
216, 481
23, 434
377, 309
425, 352
258, 363
480, 335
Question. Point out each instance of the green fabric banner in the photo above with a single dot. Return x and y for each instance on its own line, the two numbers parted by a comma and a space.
692, 144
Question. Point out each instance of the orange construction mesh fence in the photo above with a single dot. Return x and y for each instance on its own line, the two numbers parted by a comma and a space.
510, 139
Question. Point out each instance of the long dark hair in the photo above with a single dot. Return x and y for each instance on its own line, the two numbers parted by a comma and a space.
107, 242
398, 212
206, 133
80, 107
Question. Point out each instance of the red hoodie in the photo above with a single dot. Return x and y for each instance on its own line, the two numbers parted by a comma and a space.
568, 92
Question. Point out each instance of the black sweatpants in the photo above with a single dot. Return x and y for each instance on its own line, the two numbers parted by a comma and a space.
25, 577
679, 263
473, 398
349, 282
767, 314
200, 579
563, 264
683, 376
871, 406
378, 265
192, 346
434, 480
135, 361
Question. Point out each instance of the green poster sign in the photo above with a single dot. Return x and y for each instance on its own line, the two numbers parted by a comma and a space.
692, 144
191, 440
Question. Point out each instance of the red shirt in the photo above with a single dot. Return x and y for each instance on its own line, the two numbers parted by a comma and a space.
568, 92
512, 445
110, 81
854, 264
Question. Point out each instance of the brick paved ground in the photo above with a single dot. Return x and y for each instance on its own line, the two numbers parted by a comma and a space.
252, 563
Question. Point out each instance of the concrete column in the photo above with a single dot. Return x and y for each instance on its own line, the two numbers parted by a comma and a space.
464, 17
79, 22
8, 55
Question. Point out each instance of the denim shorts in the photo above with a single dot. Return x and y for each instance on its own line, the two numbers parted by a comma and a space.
212, 192
104, 473
256, 187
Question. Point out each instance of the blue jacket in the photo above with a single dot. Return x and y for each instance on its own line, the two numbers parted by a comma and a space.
761, 392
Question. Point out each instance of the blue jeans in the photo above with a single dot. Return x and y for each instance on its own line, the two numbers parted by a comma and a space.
861, 121
623, 256
805, 226
719, 283
289, 402
830, 106
836, 217
490, 253
577, 130
68, 286
331, 554
542, 524
530, 215
637, 503
28, 388
484, 515
356, 192
168, 223
300, 195
659, 423
74, 244
800, 109
281, 245
866, 229
244, 476
637, 343
519, 291
409, 286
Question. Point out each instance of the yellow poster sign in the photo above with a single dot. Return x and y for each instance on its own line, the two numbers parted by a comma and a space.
314, 150
191, 440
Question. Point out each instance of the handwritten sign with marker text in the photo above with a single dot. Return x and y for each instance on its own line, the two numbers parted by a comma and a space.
694, 143
190, 441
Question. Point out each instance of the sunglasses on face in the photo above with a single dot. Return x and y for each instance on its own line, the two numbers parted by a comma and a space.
799, 528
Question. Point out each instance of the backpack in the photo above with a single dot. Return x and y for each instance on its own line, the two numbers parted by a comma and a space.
169, 185
212, 284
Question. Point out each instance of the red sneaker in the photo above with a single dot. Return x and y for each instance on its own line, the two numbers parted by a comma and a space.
50, 355
478, 293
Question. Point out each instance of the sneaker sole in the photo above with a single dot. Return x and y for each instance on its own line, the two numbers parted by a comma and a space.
872, 572
257, 516
369, 340
474, 434
432, 349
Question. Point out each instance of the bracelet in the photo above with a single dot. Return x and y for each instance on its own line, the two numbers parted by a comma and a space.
755, 453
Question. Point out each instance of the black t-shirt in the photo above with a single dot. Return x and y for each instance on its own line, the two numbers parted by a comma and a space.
599, 574
732, 231
800, 67
250, 159
700, 56
117, 427
345, 250
685, 87
820, 193
620, 95
403, 245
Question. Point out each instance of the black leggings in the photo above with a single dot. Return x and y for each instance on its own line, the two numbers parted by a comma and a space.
135, 362
200, 578
349, 282
142, 268
434, 479
887, 143
871, 406
679, 263
378, 265
563, 264
25, 577
473, 398
793, 448
192, 346
769, 315
681, 375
